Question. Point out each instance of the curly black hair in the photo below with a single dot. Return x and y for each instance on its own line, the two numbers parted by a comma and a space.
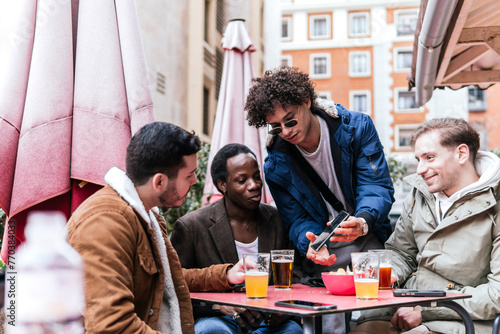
218, 170
284, 86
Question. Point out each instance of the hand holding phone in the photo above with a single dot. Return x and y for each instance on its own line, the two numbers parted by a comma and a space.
418, 293
328, 231
305, 305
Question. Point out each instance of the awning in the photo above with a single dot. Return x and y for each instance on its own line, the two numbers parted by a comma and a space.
457, 44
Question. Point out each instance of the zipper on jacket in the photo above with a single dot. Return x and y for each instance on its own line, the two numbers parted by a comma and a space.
411, 208
352, 162
432, 213
375, 170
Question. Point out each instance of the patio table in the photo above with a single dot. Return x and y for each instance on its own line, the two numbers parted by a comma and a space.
345, 304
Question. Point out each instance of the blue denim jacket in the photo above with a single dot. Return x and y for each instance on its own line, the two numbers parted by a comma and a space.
361, 169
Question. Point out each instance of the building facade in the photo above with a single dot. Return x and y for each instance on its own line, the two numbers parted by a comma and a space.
359, 53
182, 42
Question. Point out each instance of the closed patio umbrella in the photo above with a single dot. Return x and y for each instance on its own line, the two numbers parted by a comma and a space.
230, 123
73, 90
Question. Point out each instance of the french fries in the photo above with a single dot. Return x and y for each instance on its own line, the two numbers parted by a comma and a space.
341, 271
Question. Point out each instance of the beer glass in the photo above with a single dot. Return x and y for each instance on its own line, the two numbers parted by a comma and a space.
385, 256
256, 274
282, 262
365, 266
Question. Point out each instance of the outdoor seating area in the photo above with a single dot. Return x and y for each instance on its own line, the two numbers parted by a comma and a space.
227, 166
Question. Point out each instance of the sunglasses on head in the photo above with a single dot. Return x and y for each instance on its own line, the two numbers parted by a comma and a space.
277, 130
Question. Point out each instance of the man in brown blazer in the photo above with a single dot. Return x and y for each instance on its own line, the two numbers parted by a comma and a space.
221, 232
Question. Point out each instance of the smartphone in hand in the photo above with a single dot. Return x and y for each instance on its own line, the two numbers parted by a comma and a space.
305, 305
328, 231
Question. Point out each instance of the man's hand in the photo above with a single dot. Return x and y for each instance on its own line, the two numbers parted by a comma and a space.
394, 279
246, 319
322, 256
236, 274
351, 229
275, 319
407, 318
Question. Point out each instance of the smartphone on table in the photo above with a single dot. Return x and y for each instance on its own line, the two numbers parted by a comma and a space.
305, 305
418, 293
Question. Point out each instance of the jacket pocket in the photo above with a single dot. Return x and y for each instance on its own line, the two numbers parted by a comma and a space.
148, 264
372, 151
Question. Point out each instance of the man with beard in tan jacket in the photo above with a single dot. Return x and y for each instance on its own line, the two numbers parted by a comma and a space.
448, 235
134, 282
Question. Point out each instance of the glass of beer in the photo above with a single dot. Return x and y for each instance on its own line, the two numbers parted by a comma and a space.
282, 262
256, 274
365, 266
385, 256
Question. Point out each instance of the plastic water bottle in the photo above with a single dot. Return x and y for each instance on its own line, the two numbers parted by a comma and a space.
49, 287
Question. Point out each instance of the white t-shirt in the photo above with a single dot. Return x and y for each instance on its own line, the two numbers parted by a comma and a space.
322, 162
243, 248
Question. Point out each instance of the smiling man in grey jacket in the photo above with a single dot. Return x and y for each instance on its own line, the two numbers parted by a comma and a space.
448, 236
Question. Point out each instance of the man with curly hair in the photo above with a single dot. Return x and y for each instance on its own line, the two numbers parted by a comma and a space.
321, 159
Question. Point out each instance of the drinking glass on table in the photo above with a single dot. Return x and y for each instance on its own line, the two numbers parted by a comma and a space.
365, 266
256, 274
282, 262
385, 256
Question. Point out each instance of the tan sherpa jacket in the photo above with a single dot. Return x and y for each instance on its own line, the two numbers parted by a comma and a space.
123, 271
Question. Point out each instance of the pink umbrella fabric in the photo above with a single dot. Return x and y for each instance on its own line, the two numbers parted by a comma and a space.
230, 123
66, 118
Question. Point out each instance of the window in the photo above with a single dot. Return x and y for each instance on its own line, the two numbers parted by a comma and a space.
319, 65
286, 28
360, 100
319, 26
359, 64
477, 99
359, 24
406, 23
220, 19
160, 83
207, 15
402, 62
403, 136
405, 100
219, 64
325, 95
286, 60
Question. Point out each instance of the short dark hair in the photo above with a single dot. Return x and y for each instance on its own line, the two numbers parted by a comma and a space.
159, 147
284, 86
218, 170
452, 132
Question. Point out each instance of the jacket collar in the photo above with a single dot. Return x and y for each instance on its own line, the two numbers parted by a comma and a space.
120, 182
493, 181
223, 237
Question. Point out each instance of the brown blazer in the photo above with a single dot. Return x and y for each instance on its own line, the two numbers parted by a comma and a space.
204, 237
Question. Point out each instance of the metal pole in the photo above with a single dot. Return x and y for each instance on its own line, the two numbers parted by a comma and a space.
469, 325
496, 325
312, 325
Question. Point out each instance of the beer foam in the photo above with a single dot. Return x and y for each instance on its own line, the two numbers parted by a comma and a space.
256, 273
366, 280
